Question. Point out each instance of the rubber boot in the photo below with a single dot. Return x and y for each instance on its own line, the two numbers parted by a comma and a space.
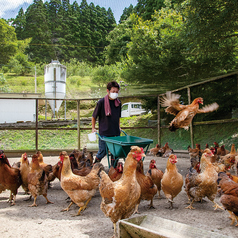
96, 160
113, 161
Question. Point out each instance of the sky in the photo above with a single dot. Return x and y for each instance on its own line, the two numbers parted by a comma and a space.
10, 8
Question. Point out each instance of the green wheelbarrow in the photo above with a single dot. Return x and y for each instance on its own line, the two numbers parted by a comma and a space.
120, 146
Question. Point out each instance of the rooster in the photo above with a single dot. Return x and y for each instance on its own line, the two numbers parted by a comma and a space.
196, 151
222, 151
148, 188
156, 175
172, 180
229, 197
229, 159
10, 178
37, 181
166, 150
156, 150
184, 113
203, 184
24, 171
46, 167
119, 198
80, 189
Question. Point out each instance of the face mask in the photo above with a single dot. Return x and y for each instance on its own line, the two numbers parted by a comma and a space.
113, 95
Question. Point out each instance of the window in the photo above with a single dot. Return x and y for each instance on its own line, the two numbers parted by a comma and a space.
124, 107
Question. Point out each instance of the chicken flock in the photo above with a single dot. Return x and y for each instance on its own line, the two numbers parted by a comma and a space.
122, 188
212, 172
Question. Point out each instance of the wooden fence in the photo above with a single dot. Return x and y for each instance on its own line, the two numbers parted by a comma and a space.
79, 128
188, 87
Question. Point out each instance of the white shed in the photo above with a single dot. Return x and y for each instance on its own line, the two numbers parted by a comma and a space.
14, 110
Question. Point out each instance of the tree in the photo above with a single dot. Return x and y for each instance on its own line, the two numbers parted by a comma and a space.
8, 42
211, 30
19, 24
20, 63
126, 13
209, 22
146, 8
37, 28
155, 52
55, 14
118, 39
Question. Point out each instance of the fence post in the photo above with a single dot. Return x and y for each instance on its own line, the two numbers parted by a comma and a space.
191, 125
158, 121
45, 110
36, 124
78, 122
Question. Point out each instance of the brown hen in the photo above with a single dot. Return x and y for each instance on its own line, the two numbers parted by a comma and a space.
184, 114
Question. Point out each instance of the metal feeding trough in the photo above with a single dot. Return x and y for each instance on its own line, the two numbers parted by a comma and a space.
151, 226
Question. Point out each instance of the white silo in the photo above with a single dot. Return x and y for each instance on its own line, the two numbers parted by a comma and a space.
55, 84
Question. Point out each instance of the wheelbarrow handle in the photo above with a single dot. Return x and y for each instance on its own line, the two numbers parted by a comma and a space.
124, 133
99, 135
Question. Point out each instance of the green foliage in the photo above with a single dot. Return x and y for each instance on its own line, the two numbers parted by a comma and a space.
119, 37
104, 74
37, 28
126, 13
8, 46
146, 8
59, 30
19, 24
20, 64
76, 68
155, 52
3, 84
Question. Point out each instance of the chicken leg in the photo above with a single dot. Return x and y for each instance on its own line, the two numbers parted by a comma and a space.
233, 218
136, 210
83, 207
47, 200
217, 206
151, 204
67, 209
34, 203
190, 206
171, 203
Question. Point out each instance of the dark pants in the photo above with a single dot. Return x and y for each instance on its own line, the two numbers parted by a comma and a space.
102, 152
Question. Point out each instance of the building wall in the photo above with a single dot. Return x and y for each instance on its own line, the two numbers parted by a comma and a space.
17, 110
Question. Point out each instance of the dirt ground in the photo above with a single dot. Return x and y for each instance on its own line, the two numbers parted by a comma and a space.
47, 220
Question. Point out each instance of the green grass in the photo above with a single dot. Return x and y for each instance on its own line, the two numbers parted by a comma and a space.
179, 140
75, 85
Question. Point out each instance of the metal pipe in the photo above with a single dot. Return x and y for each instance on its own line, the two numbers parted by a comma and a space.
36, 124
78, 122
191, 125
158, 115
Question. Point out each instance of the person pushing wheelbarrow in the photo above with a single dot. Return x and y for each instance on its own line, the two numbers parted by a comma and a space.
108, 112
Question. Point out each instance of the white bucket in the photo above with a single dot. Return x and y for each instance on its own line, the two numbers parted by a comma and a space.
92, 136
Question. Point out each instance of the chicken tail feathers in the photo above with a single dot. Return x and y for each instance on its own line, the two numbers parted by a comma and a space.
168, 98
